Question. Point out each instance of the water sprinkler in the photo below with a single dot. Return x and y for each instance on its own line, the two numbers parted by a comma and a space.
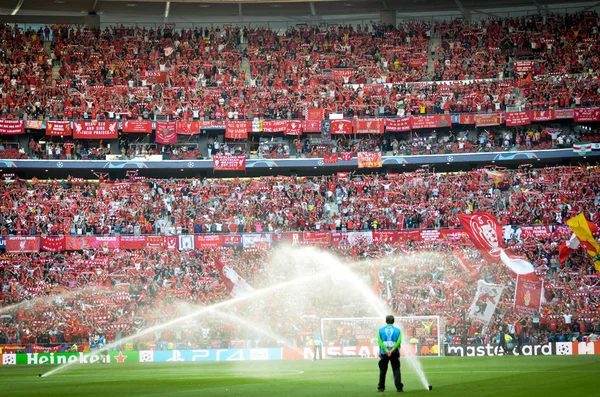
40, 375
430, 388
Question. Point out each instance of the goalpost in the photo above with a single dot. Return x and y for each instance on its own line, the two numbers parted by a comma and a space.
357, 336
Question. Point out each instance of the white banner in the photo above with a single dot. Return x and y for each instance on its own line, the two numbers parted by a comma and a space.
186, 242
485, 302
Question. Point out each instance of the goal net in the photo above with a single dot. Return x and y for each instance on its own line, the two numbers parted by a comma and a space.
357, 336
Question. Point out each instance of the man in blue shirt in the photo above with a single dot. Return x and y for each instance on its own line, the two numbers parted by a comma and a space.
318, 346
389, 339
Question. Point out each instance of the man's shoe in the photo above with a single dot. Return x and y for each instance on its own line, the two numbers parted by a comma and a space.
400, 390
380, 390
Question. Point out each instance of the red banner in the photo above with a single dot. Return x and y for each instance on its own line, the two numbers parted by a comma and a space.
385, 236
109, 243
212, 125
187, 128
229, 163
564, 113
311, 126
523, 66
232, 240
485, 232
95, 130
587, 115
58, 128
536, 232
294, 128
208, 241
466, 119
330, 158
34, 124
528, 294
438, 121
53, 243
78, 243
133, 242
369, 160
12, 127
275, 125
165, 133
487, 120
139, 127
346, 156
514, 119
155, 242
398, 125
159, 77
315, 114
369, 126
22, 244
171, 243
317, 238
541, 115
341, 127
237, 129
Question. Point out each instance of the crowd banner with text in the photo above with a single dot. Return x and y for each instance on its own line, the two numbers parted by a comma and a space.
542, 115
341, 127
514, 119
237, 129
165, 132
53, 243
12, 127
398, 125
587, 115
433, 121
487, 120
369, 160
95, 130
133, 242
229, 163
187, 127
369, 126
528, 294
58, 128
466, 118
137, 127
20, 244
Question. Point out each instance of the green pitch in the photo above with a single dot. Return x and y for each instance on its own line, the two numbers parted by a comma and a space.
450, 376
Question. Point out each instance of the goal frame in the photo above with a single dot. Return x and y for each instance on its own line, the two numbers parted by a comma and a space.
400, 318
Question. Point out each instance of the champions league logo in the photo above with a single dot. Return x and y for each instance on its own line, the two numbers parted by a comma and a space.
484, 230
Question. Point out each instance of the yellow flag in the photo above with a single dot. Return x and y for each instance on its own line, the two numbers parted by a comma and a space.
580, 227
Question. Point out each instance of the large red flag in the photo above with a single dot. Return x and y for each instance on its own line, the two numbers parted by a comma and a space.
235, 284
486, 233
528, 294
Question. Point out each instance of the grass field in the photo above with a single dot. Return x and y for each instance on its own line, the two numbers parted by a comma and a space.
450, 376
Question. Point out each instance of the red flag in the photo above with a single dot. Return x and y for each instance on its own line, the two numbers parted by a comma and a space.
171, 243
165, 132
54, 244
22, 244
330, 158
567, 247
208, 241
12, 127
133, 242
136, 126
235, 284
315, 114
155, 242
346, 156
343, 126
229, 163
237, 129
58, 128
485, 232
528, 294
369, 160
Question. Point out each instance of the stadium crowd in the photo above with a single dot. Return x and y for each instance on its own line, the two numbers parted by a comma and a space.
68, 296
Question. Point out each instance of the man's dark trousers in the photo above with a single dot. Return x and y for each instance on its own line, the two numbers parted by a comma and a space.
394, 359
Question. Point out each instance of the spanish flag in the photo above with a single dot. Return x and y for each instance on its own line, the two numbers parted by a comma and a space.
580, 227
